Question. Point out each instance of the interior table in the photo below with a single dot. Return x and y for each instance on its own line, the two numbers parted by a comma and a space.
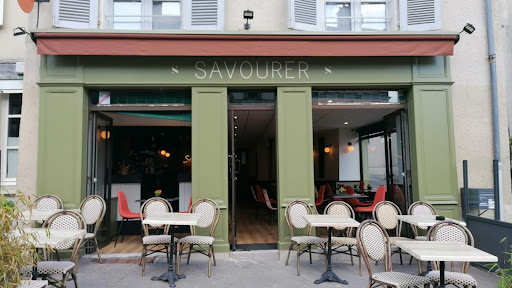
168, 199
330, 221
171, 219
348, 196
42, 214
445, 251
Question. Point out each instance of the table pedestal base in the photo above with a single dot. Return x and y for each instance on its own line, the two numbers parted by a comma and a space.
169, 276
330, 276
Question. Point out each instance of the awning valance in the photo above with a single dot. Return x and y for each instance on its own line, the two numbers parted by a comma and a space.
268, 45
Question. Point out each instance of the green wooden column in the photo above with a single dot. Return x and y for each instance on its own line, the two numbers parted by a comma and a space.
434, 171
210, 154
295, 152
62, 152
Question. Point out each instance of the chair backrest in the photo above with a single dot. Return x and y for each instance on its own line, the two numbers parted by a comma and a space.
259, 194
48, 202
123, 204
210, 213
340, 208
448, 231
373, 244
385, 213
320, 198
267, 200
93, 209
65, 220
349, 190
423, 209
293, 214
151, 206
328, 192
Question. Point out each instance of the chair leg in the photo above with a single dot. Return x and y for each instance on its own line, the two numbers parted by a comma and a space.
288, 257
351, 256
213, 255
189, 252
400, 252
210, 261
298, 259
64, 280
122, 236
143, 259
73, 275
97, 249
119, 232
310, 257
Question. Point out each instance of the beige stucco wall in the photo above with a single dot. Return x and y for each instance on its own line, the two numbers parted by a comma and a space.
469, 71
12, 48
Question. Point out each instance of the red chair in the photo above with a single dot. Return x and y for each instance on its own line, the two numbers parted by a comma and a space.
261, 200
380, 196
125, 212
328, 192
320, 199
354, 202
189, 204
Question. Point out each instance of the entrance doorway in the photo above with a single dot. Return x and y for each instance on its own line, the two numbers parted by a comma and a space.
252, 169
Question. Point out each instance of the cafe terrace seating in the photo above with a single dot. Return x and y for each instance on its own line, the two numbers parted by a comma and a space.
48, 202
294, 218
344, 236
63, 220
448, 231
373, 243
385, 213
210, 213
153, 243
93, 209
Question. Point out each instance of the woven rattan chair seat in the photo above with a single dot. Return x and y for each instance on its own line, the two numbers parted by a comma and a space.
54, 267
157, 239
400, 280
197, 240
308, 240
344, 241
455, 278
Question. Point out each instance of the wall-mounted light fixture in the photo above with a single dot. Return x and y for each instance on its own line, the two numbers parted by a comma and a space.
248, 14
350, 148
328, 149
18, 31
469, 29
104, 134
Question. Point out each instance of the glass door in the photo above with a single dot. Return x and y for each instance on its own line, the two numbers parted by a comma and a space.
99, 168
397, 159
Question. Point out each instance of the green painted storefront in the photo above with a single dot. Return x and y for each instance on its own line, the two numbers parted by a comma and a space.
64, 108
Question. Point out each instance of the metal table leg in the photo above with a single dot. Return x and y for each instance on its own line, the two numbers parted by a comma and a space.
170, 275
329, 275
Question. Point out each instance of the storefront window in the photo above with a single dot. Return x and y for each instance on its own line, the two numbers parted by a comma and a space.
147, 15
356, 15
10, 142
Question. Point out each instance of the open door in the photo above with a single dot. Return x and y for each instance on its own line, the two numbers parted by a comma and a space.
397, 159
99, 168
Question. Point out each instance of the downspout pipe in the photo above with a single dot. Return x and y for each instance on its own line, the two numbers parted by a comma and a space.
495, 111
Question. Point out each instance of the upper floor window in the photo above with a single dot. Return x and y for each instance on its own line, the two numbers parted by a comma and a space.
140, 14
10, 119
364, 15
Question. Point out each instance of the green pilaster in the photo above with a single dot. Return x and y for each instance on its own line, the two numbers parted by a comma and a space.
434, 173
62, 148
210, 154
295, 152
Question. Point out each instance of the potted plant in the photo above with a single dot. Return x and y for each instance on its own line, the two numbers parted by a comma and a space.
369, 187
158, 193
17, 251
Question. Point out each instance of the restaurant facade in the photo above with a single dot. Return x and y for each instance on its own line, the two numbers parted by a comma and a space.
88, 85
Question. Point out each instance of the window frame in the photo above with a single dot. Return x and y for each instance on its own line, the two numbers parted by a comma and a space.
146, 14
4, 123
356, 16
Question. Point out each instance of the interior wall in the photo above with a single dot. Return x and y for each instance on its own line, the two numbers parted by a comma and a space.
348, 160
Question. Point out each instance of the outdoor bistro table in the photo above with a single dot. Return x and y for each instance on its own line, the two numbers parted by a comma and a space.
424, 220
42, 214
444, 251
330, 221
171, 219
47, 238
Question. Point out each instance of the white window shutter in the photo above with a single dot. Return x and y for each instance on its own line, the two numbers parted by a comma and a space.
78, 14
203, 14
420, 15
306, 15
2, 12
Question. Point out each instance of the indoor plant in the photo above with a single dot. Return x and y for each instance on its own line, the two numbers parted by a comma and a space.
16, 251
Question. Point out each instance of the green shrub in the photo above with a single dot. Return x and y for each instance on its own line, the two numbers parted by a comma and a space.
504, 274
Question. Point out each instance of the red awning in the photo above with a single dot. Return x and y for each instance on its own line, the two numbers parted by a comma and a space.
292, 45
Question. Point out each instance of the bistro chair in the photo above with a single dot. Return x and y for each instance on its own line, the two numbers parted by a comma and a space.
154, 243
380, 195
385, 213
93, 209
125, 212
448, 231
33, 284
261, 199
48, 202
373, 244
423, 209
328, 192
344, 235
354, 202
294, 217
273, 210
63, 220
210, 213
319, 200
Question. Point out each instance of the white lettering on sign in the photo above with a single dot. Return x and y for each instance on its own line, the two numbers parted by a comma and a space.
249, 69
